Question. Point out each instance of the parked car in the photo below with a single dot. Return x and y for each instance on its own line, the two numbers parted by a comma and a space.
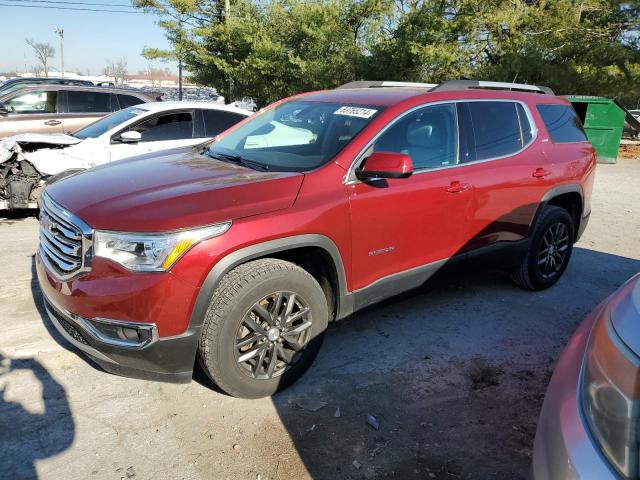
13, 83
27, 161
590, 419
62, 108
241, 254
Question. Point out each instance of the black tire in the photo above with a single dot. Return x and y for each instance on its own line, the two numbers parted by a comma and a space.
232, 311
533, 275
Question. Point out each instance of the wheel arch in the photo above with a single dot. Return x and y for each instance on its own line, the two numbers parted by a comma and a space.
568, 196
317, 253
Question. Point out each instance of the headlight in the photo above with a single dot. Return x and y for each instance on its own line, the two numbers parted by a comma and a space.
151, 252
611, 396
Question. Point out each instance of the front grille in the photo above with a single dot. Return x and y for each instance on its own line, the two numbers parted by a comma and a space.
60, 239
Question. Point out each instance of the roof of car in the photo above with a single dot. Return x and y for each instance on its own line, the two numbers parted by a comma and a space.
86, 88
161, 106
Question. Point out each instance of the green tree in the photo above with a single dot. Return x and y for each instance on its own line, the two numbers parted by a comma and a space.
270, 50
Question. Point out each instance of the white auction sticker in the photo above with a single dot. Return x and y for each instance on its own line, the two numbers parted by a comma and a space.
356, 112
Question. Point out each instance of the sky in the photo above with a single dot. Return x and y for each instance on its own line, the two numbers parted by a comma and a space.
90, 38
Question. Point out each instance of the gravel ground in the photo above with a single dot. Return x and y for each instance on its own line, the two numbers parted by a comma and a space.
454, 374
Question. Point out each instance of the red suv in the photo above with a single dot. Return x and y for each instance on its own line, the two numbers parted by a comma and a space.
321, 204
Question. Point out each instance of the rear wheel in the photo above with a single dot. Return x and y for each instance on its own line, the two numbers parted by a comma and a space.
549, 250
263, 328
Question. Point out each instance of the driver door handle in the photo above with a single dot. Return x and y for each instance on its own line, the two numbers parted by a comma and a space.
457, 187
51, 123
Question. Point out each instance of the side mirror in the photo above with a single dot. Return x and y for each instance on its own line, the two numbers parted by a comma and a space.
385, 165
130, 136
4, 109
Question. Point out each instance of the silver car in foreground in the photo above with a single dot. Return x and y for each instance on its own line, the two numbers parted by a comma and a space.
589, 427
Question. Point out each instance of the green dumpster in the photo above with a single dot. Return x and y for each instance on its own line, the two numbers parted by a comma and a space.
603, 120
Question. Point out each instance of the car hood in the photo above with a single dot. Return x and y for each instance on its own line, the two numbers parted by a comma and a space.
43, 138
625, 314
172, 191
85, 154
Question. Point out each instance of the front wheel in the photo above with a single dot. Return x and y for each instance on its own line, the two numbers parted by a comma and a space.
263, 328
549, 250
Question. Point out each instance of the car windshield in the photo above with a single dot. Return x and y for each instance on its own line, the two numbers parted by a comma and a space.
105, 124
295, 136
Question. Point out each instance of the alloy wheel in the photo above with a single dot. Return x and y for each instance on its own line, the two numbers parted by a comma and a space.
553, 250
272, 334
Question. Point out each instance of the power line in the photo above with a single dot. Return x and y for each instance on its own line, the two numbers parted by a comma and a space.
77, 9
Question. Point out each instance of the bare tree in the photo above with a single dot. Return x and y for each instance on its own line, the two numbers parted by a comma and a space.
116, 70
43, 52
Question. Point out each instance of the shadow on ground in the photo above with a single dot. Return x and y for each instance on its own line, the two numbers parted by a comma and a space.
35, 417
453, 374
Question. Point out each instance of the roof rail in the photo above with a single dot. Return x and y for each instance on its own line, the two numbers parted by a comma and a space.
384, 83
480, 84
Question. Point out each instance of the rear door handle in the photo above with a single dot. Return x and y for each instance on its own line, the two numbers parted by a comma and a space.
457, 187
540, 172
51, 123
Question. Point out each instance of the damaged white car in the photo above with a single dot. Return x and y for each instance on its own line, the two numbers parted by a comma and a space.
28, 161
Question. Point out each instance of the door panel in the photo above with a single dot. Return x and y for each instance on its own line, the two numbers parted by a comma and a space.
506, 156
399, 224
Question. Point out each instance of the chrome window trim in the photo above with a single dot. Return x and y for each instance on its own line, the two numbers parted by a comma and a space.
351, 179
86, 239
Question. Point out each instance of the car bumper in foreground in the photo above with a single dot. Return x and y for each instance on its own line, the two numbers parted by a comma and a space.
168, 358
564, 449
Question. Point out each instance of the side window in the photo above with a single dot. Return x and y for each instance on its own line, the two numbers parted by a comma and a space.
88, 102
172, 126
128, 101
217, 121
562, 123
429, 136
496, 128
34, 102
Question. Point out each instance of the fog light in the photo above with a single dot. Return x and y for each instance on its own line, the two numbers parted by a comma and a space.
121, 334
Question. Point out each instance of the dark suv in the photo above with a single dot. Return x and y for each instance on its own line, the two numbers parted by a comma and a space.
62, 108
319, 205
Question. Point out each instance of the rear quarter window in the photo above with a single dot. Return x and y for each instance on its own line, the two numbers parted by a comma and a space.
562, 123
129, 101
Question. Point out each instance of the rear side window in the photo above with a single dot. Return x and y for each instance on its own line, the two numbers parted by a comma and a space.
128, 101
172, 126
217, 121
88, 102
562, 123
497, 128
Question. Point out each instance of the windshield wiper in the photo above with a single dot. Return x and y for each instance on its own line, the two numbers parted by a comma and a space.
238, 160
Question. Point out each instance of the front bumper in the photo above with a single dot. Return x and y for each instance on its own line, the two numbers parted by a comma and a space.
168, 358
563, 447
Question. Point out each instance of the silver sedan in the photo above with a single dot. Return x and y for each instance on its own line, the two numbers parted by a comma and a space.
589, 427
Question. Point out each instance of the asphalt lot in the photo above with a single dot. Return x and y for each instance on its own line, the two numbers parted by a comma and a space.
454, 373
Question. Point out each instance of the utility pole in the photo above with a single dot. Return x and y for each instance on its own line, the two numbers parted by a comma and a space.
60, 32
179, 65
227, 11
